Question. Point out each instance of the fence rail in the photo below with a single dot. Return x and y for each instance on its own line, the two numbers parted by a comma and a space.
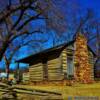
9, 92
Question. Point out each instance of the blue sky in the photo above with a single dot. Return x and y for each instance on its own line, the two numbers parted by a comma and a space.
84, 4
94, 4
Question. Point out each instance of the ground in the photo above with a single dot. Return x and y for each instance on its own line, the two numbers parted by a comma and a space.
89, 90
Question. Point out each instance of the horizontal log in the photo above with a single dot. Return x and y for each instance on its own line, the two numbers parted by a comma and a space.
25, 77
34, 66
36, 73
37, 90
63, 54
38, 67
54, 61
55, 79
32, 93
40, 77
64, 66
35, 70
36, 76
55, 74
58, 66
54, 64
58, 72
64, 61
39, 72
36, 80
54, 67
33, 75
63, 58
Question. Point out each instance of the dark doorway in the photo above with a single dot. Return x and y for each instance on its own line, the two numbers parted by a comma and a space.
45, 69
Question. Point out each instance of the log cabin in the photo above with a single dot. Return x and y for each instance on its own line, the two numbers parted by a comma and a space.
69, 61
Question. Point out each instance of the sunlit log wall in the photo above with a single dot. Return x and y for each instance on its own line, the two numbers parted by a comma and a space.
54, 69
26, 77
63, 59
91, 62
36, 72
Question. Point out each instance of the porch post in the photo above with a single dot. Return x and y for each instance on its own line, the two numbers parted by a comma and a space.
18, 72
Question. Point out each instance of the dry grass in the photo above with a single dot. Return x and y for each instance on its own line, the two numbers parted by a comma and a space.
76, 90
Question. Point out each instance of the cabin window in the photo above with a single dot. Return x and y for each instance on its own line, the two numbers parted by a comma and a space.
70, 62
45, 70
70, 67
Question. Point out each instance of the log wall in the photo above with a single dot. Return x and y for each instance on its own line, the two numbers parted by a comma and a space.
26, 77
36, 72
63, 58
54, 69
91, 61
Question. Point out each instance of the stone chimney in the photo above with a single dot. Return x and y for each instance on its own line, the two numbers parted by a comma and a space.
82, 66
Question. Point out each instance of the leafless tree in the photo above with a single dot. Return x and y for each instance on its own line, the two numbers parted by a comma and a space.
46, 10
13, 49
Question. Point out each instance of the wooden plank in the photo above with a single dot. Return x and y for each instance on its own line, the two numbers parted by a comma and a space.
53, 68
32, 79
38, 77
54, 71
35, 70
36, 73
53, 63
64, 61
57, 75
36, 67
55, 79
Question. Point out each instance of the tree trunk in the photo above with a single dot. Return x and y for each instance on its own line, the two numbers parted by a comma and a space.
7, 71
